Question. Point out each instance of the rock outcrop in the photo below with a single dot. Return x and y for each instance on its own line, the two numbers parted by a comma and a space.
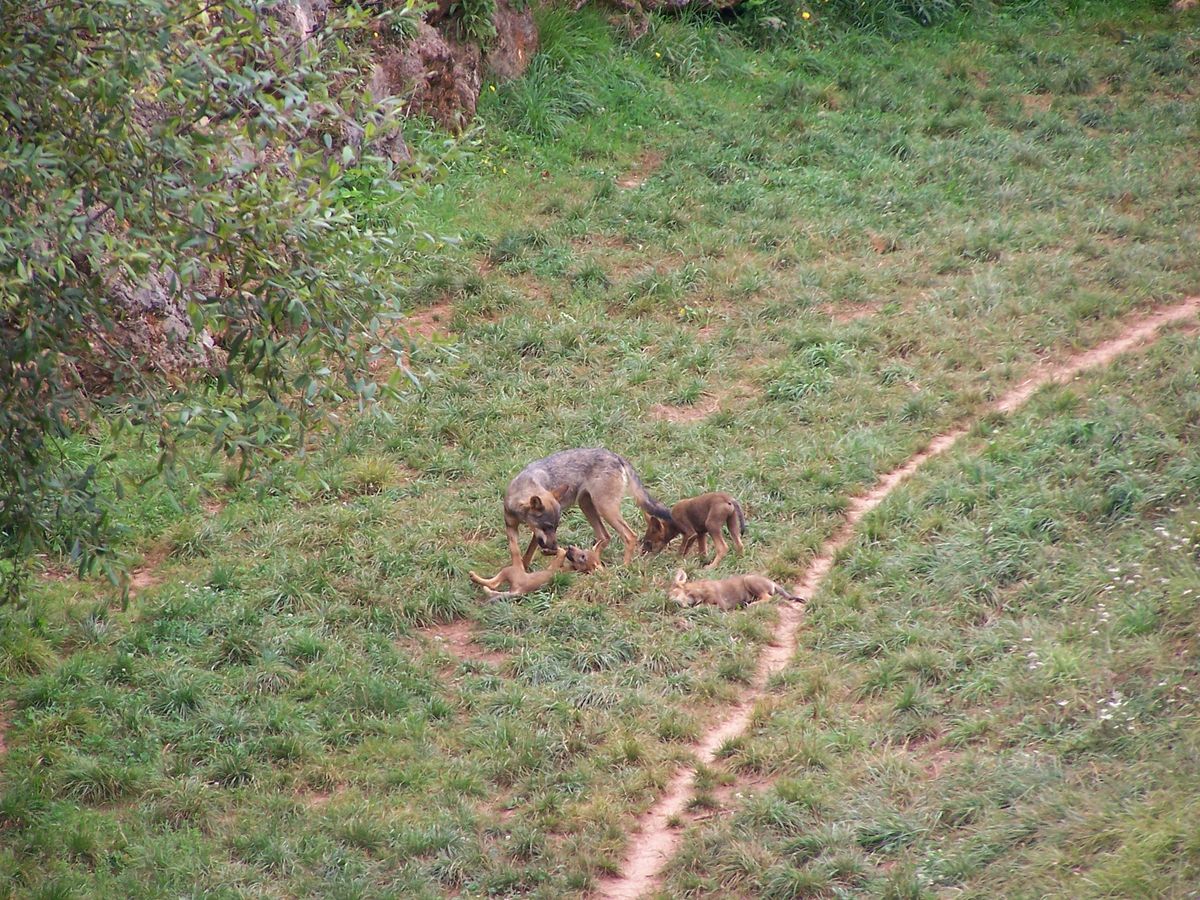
437, 75
431, 75
154, 328
516, 42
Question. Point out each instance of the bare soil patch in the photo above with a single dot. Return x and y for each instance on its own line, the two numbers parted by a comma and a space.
648, 163
318, 799
656, 841
212, 506
1037, 102
429, 321
684, 414
705, 406
459, 638
148, 574
3, 729
936, 760
843, 313
52, 572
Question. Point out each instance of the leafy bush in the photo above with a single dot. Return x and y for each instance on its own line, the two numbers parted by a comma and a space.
153, 143
474, 20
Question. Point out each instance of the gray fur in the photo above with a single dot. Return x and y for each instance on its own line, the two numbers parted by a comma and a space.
593, 478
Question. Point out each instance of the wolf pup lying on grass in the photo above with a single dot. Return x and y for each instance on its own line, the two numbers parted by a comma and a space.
697, 518
522, 582
595, 478
728, 593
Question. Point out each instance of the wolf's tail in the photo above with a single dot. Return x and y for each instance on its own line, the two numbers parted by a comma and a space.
786, 594
642, 497
741, 516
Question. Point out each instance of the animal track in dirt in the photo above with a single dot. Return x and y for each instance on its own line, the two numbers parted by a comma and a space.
656, 839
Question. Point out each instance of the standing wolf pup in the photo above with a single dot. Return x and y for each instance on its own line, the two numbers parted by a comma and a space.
595, 478
696, 518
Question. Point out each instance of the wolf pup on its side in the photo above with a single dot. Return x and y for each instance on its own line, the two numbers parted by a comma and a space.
696, 519
522, 582
595, 478
728, 593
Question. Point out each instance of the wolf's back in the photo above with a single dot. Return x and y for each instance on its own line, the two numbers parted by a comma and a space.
642, 497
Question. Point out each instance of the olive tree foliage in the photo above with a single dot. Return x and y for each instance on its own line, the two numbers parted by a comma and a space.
193, 145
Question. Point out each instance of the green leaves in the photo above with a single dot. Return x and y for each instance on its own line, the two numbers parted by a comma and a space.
174, 245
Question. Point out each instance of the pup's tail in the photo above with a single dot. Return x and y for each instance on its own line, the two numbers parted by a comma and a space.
741, 516
642, 498
786, 594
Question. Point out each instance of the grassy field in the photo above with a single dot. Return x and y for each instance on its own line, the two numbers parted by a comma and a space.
996, 693
773, 272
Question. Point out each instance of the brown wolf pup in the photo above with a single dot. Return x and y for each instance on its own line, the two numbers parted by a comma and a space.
522, 582
728, 593
696, 519
595, 478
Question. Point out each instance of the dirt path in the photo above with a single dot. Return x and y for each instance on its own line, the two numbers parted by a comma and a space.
656, 841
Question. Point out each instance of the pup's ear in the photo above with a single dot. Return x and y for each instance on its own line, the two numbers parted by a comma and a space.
535, 503
561, 491
681, 577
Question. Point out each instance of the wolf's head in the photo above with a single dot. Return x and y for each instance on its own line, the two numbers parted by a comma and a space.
658, 535
542, 512
586, 561
679, 592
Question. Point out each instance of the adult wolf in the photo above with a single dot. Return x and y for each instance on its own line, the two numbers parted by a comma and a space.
595, 478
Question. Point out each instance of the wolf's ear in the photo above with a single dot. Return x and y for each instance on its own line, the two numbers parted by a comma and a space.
535, 503
560, 492
681, 577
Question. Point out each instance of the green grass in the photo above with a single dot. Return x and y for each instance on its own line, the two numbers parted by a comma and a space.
274, 717
1001, 670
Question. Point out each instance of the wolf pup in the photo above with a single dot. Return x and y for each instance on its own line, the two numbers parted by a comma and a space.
696, 519
522, 582
595, 478
728, 593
